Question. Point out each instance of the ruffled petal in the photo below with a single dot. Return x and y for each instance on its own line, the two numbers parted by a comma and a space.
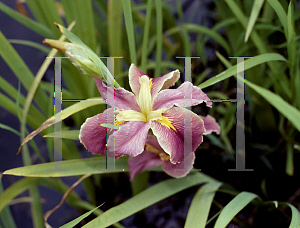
129, 139
92, 135
173, 141
158, 84
123, 99
170, 97
134, 77
210, 125
164, 82
142, 162
181, 169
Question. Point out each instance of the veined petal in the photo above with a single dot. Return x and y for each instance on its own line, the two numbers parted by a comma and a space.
173, 141
123, 99
129, 139
134, 76
164, 82
131, 115
150, 159
92, 135
170, 97
210, 125
142, 162
181, 169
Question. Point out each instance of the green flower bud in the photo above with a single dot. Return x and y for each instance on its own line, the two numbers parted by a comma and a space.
84, 59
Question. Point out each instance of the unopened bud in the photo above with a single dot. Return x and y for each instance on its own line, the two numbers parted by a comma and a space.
84, 59
80, 59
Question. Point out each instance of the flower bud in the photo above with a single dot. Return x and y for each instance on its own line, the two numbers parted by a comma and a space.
82, 61
81, 57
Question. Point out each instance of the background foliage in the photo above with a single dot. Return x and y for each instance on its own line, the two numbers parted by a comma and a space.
152, 34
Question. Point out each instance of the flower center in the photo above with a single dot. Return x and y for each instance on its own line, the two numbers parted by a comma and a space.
144, 99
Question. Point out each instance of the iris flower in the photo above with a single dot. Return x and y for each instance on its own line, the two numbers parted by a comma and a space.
151, 106
154, 155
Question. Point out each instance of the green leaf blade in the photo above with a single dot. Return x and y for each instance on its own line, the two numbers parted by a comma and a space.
82, 12
257, 5
72, 134
257, 60
275, 4
29, 23
46, 13
74, 167
130, 30
6, 215
146, 198
20, 69
145, 37
233, 208
159, 30
295, 222
115, 16
77, 220
290, 112
200, 206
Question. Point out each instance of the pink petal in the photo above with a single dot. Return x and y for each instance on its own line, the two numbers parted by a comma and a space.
92, 135
210, 125
173, 141
124, 100
164, 82
181, 169
170, 97
142, 162
134, 76
129, 139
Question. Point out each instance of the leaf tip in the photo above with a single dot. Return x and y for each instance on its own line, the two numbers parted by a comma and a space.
19, 150
58, 26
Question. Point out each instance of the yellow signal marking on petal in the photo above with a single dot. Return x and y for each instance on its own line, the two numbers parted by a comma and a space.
150, 83
150, 148
166, 122
164, 156
119, 122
